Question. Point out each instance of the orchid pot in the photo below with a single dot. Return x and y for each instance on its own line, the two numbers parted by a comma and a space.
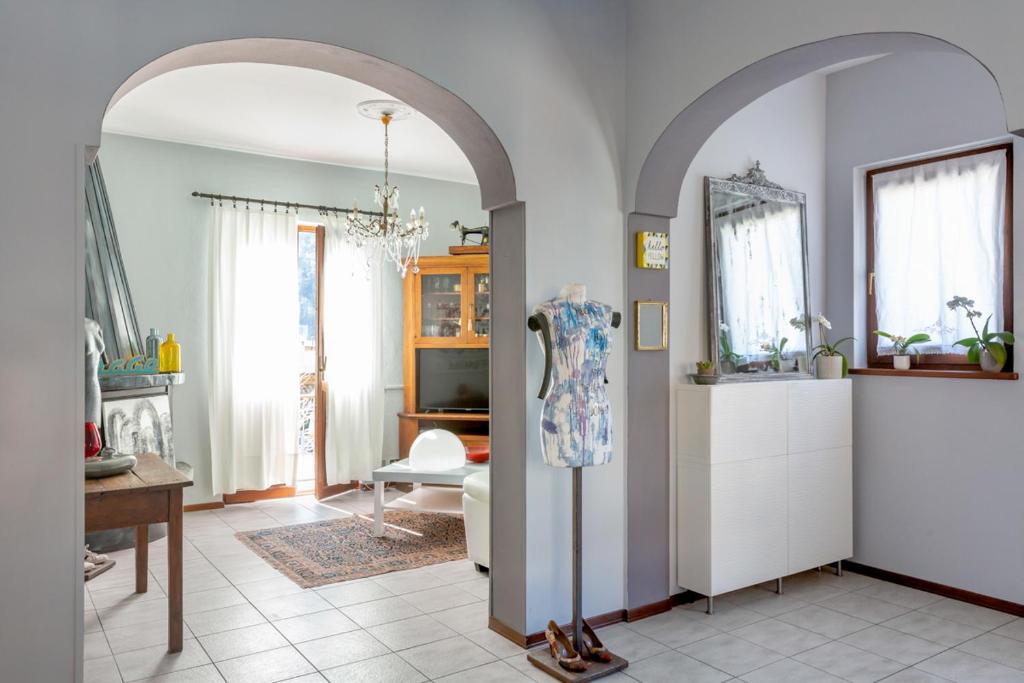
829, 367
901, 362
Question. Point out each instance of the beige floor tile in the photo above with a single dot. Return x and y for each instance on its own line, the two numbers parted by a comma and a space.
627, 643
440, 598
444, 657
385, 669
731, 654
674, 628
466, 618
400, 583
899, 595
242, 641
864, 607
223, 619
788, 671
201, 674
266, 667
378, 612
317, 625
954, 665
129, 615
824, 621
95, 646
481, 588
215, 598
101, 670
154, 661
914, 676
726, 617
139, 636
91, 621
971, 615
1014, 629
849, 662
781, 637
287, 606
999, 649
406, 633
896, 645
495, 672
265, 589
935, 629
497, 645
341, 649
669, 667
353, 593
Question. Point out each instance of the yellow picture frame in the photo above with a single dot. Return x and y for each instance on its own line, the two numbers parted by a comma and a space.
647, 317
652, 250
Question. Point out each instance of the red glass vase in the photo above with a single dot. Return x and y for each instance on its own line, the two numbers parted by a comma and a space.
93, 444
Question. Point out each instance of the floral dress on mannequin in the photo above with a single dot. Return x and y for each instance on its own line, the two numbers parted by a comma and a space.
576, 423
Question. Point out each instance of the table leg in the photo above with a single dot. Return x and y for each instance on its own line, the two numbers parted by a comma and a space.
174, 550
142, 558
378, 508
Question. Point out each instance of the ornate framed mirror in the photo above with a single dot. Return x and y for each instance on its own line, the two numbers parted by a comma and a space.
758, 282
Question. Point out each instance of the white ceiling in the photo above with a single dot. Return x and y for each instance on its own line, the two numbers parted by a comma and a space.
283, 111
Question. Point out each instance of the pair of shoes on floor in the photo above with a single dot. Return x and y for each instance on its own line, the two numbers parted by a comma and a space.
591, 650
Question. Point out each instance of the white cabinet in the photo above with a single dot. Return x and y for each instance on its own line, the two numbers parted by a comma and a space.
764, 478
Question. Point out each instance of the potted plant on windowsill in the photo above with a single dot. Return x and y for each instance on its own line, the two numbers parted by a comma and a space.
901, 345
729, 359
830, 362
775, 359
988, 349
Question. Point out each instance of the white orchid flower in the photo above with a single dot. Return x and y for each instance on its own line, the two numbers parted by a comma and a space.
823, 321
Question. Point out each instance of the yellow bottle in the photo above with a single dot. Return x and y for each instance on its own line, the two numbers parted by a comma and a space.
170, 355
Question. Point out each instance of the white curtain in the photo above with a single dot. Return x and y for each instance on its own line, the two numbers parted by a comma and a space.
762, 271
353, 344
939, 233
254, 348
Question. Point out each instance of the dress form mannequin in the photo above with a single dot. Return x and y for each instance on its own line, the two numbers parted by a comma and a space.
575, 429
575, 334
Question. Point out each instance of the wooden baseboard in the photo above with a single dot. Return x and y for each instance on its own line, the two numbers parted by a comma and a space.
960, 594
528, 640
196, 507
276, 491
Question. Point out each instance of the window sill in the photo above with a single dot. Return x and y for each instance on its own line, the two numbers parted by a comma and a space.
941, 374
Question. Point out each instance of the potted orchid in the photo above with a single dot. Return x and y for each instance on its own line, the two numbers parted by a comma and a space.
775, 353
902, 345
799, 323
829, 360
985, 348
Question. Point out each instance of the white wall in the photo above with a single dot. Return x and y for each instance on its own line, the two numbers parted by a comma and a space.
937, 468
163, 233
548, 77
785, 130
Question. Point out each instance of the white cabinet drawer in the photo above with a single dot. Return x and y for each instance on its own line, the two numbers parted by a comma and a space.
748, 522
820, 415
820, 508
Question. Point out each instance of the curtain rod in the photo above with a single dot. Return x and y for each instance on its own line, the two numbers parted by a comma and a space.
270, 202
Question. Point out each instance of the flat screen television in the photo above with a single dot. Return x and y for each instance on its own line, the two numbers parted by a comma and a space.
452, 380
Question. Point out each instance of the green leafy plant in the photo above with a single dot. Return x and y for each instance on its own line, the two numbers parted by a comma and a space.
705, 367
901, 345
993, 342
775, 351
824, 347
726, 354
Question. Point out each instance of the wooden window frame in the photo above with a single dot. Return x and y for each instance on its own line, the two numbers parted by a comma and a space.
938, 361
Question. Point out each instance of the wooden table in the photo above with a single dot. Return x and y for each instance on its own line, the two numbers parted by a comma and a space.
148, 494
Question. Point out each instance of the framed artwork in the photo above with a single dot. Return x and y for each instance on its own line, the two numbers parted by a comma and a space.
652, 250
139, 425
651, 321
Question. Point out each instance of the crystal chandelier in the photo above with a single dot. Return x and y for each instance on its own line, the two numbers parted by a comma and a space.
384, 233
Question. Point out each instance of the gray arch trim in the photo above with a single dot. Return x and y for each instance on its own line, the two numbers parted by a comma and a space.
460, 121
661, 176
649, 380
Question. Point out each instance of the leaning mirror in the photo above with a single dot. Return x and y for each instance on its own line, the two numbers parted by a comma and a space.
756, 237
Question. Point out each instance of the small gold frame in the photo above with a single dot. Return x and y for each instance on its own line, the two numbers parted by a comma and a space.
643, 339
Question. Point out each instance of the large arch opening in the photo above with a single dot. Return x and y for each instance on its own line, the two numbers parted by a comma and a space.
650, 376
496, 182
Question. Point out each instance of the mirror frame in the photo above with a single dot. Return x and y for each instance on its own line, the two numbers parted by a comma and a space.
755, 184
663, 305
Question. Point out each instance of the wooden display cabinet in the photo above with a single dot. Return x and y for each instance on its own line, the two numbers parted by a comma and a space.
447, 305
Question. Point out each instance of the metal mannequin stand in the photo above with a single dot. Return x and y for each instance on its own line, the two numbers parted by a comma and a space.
542, 658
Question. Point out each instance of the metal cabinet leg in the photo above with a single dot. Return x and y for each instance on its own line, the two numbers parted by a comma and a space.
839, 568
778, 586
711, 605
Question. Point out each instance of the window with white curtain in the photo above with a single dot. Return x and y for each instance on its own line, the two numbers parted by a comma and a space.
938, 228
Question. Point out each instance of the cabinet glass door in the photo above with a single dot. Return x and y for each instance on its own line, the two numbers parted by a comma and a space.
440, 304
481, 304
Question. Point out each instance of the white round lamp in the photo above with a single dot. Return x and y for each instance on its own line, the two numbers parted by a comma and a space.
437, 450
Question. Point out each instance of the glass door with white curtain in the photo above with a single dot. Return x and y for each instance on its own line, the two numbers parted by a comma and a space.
310, 360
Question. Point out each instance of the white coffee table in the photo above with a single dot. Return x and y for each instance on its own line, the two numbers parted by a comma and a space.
402, 473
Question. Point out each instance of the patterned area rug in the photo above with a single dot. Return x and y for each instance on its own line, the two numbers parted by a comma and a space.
320, 553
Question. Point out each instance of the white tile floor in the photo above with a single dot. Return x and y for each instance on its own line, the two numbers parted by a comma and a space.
246, 622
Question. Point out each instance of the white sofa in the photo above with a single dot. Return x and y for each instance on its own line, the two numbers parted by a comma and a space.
476, 509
